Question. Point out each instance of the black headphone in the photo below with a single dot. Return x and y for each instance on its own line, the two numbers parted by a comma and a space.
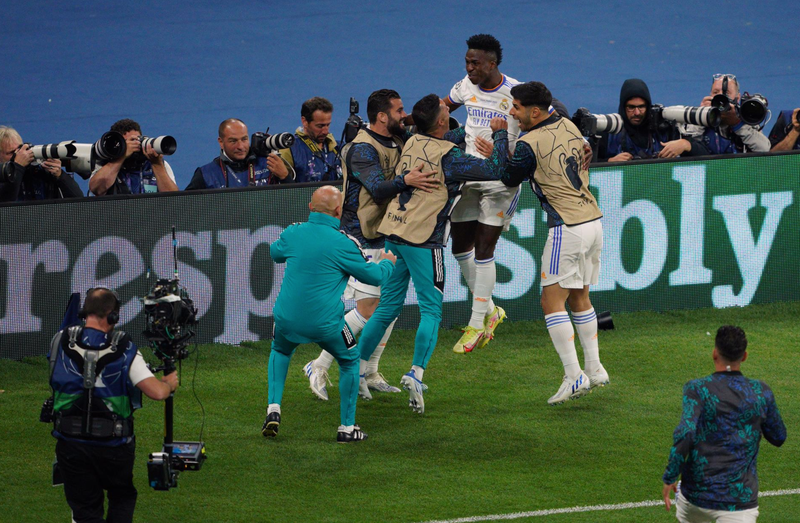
113, 317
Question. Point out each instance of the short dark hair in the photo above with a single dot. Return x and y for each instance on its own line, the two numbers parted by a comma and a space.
487, 43
125, 125
426, 113
100, 302
533, 94
226, 123
380, 101
312, 105
731, 343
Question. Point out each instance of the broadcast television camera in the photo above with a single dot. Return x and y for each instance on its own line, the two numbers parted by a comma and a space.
170, 316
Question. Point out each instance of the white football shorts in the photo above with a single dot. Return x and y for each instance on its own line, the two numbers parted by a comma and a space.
490, 203
357, 290
571, 255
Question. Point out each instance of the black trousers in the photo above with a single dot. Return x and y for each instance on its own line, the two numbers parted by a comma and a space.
88, 470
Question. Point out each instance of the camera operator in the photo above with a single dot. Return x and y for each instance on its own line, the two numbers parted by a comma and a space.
27, 178
237, 164
784, 135
733, 135
139, 171
314, 154
94, 424
638, 139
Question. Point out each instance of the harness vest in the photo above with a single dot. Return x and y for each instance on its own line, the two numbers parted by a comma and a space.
370, 213
312, 163
218, 174
93, 398
412, 214
559, 177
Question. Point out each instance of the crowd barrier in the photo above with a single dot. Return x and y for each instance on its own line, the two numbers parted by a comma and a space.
715, 232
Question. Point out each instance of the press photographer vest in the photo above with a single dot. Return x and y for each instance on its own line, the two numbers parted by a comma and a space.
93, 398
135, 181
370, 213
559, 175
412, 214
218, 174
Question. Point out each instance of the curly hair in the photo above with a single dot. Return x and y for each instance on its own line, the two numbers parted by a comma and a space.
486, 43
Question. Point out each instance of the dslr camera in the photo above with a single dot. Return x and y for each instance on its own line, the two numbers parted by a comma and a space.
264, 143
353, 124
594, 124
81, 157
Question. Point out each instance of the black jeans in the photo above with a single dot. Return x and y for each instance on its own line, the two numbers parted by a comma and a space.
88, 470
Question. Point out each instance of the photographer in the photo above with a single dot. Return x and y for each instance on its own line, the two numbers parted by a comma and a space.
139, 171
733, 135
784, 135
314, 154
24, 179
94, 424
237, 164
639, 139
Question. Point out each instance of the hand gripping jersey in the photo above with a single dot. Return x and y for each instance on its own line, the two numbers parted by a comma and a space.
413, 215
483, 105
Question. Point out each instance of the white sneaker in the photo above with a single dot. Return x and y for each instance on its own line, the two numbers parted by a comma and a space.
571, 389
415, 389
363, 388
598, 378
377, 382
317, 379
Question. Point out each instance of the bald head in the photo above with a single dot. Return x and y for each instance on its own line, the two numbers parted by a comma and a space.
327, 200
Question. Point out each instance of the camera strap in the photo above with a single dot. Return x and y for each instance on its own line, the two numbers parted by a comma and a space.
317, 151
251, 173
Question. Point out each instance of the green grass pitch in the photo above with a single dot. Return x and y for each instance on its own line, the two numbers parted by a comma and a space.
488, 443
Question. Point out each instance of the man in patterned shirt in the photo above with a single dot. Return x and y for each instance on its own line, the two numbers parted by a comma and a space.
716, 442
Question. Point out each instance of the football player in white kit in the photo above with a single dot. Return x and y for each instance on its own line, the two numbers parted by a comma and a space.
485, 208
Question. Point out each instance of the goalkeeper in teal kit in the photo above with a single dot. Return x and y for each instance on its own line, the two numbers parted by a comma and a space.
319, 261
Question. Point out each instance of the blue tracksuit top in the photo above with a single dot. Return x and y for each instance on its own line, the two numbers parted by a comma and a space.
319, 261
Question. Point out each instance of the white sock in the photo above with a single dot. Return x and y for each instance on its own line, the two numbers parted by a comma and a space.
485, 278
348, 428
274, 407
563, 336
324, 360
418, 371
355, 321
586, 325
362, 367
466, 261
372, 366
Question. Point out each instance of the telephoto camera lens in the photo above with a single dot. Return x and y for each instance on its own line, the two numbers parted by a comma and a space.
111, 146
753, 109
161, 144
58, 151
593, 124
703, 116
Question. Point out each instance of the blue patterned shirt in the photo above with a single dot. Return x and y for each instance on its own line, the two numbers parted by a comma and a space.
715, 445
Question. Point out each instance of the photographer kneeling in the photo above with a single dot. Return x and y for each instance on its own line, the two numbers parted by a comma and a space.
239, 164
22, 178
93, 409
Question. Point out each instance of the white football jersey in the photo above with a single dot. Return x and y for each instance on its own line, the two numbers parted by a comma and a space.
483, 105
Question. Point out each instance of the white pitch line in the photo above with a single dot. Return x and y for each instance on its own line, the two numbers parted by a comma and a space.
591, 508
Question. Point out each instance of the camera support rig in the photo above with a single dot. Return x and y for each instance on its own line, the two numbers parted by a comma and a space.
170, 315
